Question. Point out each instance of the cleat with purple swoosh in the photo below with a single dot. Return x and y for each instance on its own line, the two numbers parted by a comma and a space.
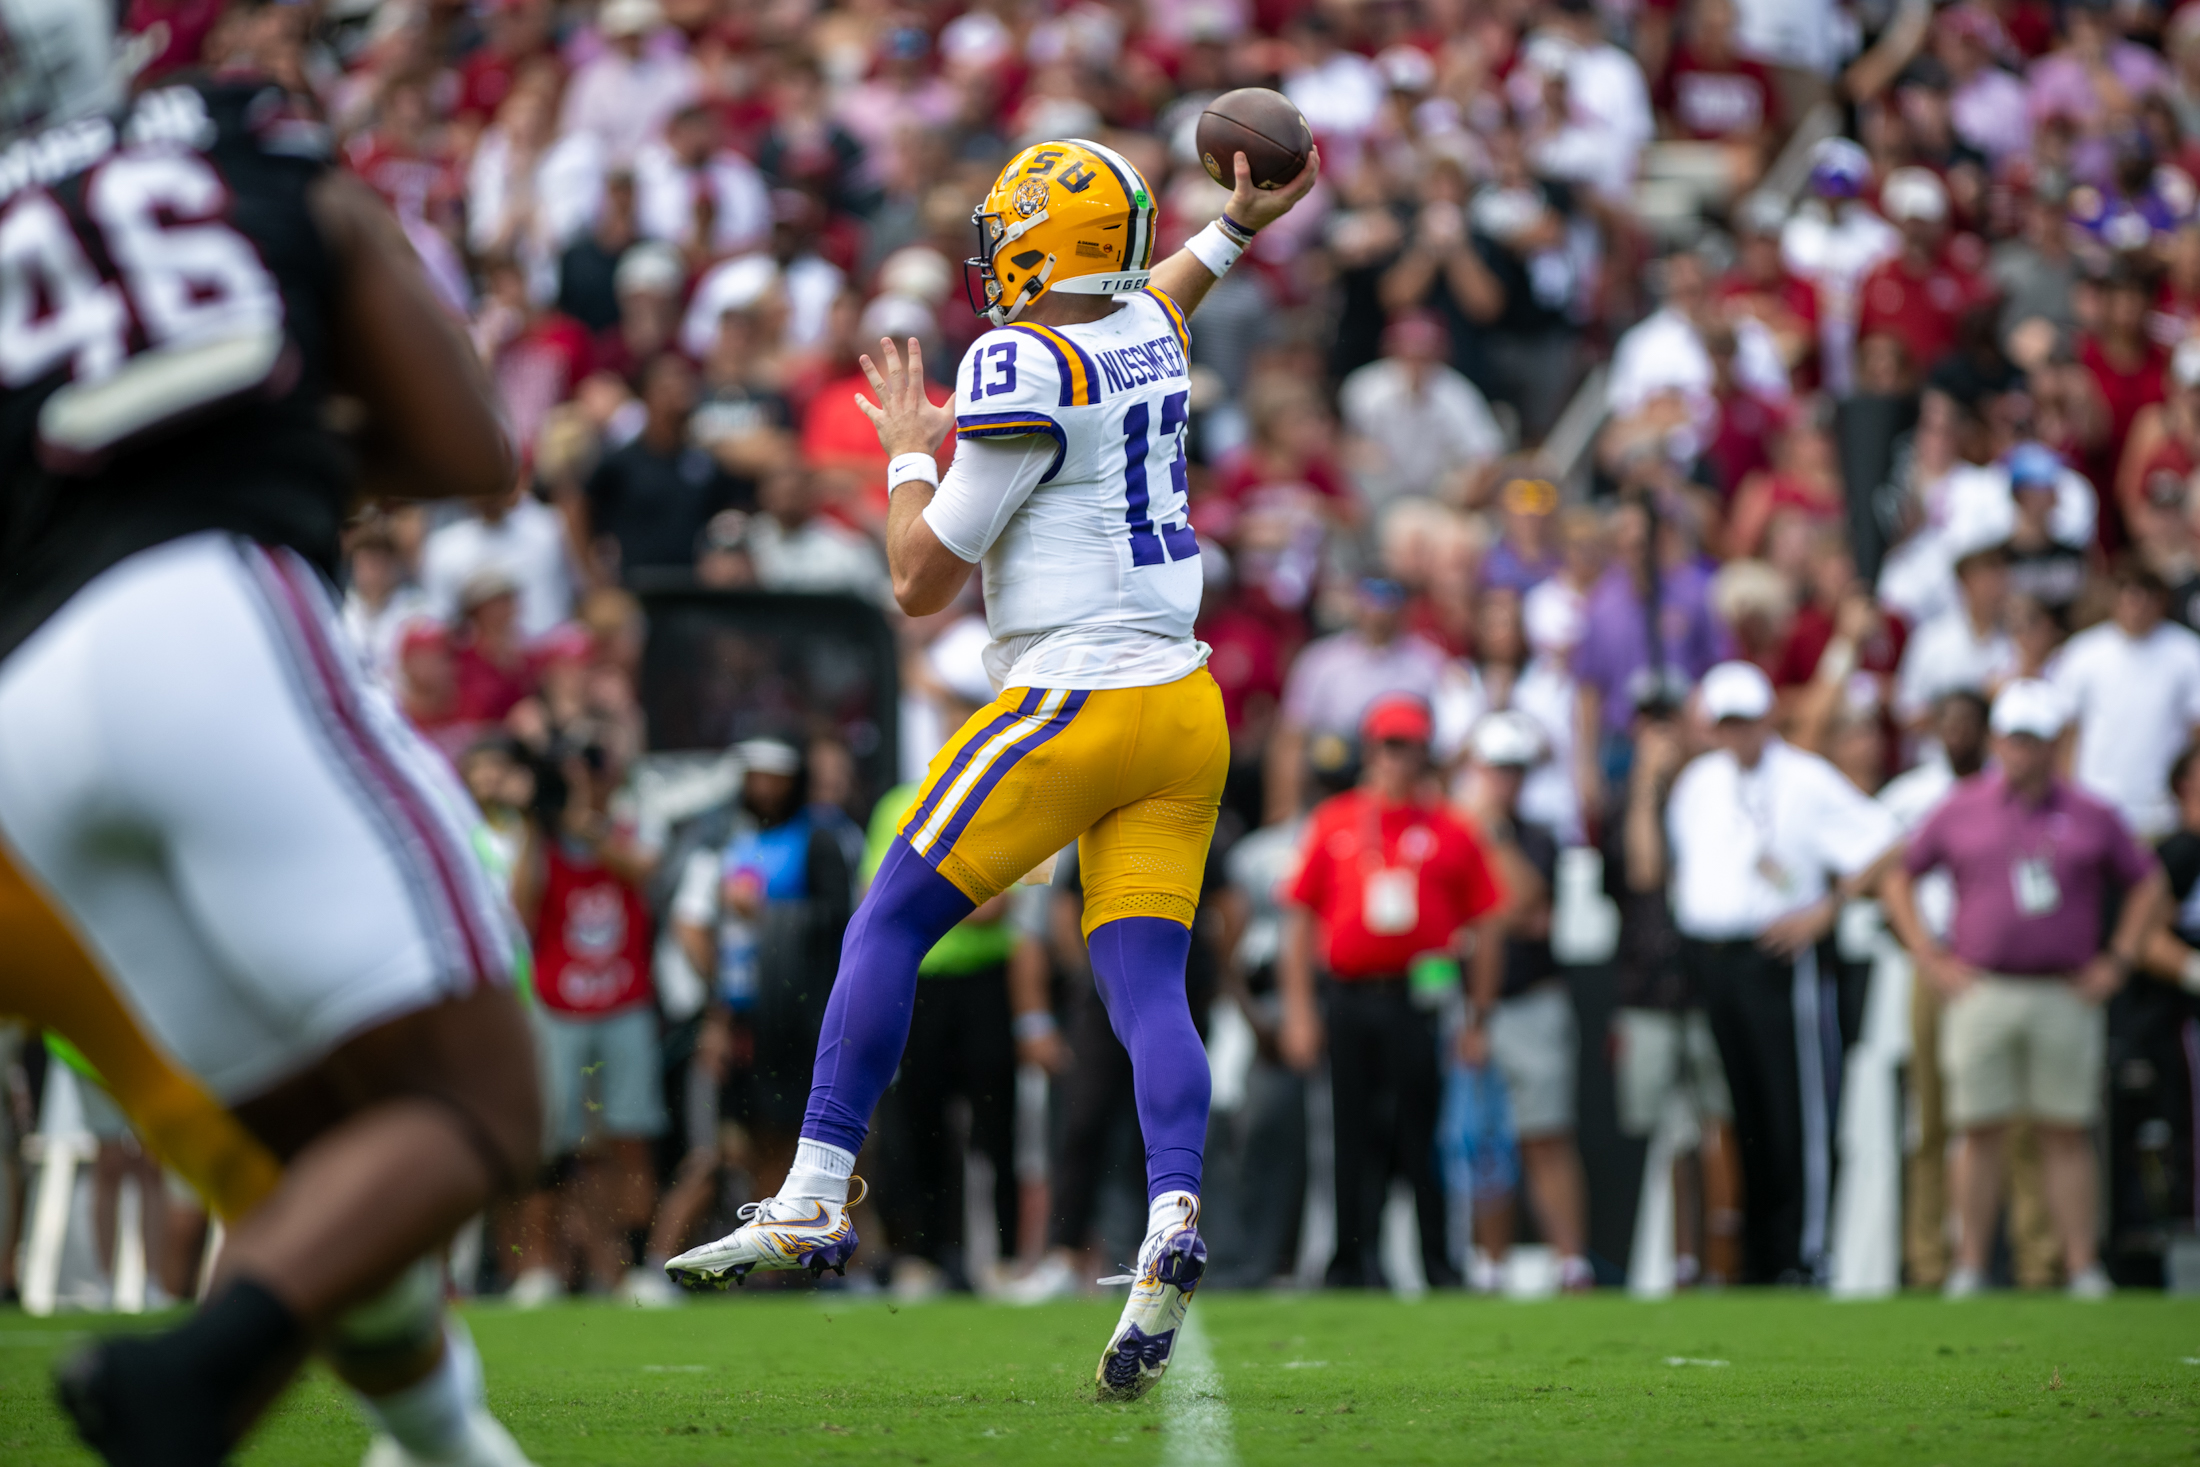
1171, 1263
777, 1233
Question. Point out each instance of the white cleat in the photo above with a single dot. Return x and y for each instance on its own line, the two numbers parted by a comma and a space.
486, 1444
1171, 1263
777, 1233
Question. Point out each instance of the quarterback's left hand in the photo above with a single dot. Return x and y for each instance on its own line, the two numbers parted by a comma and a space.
906, 420
1257, 208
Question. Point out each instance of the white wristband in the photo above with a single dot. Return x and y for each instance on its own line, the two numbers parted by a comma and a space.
1216, 248
2189, 978
908, 466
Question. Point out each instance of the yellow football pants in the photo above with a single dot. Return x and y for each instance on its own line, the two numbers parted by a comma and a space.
1133, 775
47, 977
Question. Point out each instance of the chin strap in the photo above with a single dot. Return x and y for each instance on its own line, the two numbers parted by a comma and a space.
1001, 315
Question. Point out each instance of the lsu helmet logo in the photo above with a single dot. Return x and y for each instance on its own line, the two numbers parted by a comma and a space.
1069, 216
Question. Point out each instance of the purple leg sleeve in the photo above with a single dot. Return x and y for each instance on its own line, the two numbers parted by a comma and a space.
1139, 963
909, 907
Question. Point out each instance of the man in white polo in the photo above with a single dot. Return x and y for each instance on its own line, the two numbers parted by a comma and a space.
1767, 844
2035, 862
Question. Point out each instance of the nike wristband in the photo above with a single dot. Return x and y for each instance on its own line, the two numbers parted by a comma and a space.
911, 466
1219, 245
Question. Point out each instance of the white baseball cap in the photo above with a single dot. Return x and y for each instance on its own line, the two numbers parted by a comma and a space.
1913, 193
629, 17
1508, 738
2029, 706
768, 756
1735, 690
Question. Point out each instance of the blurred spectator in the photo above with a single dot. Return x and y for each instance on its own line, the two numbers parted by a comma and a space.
1986, 103
1587, 97
648, 502
1522, 1017
427, 687
2035, 271
1275, 501
589, 267
625, 95
1762, 287
1417, 426
2024, 973
2132, 689
1563, 790
578, 889
1922, 294
1967, 646
1339, 677
1833, 242
493, 667
2127, 371
1665, 1062
1713, 93
693, 191
1664, 355
1388, 882
518, 536
1524, 554
796, 548
1650, 590
2093, 77
380, 601
1766, 843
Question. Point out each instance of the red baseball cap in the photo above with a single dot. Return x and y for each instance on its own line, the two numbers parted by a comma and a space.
1396, 716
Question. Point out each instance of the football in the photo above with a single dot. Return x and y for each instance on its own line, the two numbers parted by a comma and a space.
1261, 124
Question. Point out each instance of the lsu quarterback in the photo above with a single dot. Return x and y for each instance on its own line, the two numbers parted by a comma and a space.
1068, 486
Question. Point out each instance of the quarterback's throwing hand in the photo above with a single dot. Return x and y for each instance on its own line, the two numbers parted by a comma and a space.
906, 420
1258, 208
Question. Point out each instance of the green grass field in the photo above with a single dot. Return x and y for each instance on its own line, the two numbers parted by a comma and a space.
1735, 1378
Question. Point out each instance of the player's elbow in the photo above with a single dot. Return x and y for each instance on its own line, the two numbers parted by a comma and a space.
919, 594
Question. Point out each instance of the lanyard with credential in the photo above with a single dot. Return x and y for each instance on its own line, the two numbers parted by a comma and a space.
1758, 812
1390, 895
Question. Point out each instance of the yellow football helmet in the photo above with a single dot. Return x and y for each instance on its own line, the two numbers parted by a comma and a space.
1069, 216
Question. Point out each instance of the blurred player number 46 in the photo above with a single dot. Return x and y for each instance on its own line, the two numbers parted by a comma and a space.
1261, 124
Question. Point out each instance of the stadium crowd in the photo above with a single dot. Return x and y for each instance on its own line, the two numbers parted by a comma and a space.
1747, 449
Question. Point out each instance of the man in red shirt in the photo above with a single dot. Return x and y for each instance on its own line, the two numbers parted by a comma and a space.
1389, 881
1921, 295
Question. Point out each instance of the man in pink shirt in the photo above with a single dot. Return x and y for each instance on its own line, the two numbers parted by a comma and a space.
2035, 863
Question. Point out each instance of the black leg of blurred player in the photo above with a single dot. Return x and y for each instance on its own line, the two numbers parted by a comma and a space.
389, 1144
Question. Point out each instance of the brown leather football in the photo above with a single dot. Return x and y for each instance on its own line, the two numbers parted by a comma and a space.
1261, 124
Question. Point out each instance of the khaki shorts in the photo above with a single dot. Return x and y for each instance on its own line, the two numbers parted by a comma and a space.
1663, 1057
2013, 1047
1534, 1044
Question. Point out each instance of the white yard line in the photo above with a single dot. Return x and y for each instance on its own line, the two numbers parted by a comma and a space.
1195, 1421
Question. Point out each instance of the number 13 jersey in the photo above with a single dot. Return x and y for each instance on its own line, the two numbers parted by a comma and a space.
1069, 483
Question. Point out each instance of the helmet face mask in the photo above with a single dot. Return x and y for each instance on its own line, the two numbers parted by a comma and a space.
1069, 216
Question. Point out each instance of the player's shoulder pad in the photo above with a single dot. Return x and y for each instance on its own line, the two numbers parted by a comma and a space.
1026, 365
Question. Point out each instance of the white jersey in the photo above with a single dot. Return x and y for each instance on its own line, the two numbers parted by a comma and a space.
1069, 484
